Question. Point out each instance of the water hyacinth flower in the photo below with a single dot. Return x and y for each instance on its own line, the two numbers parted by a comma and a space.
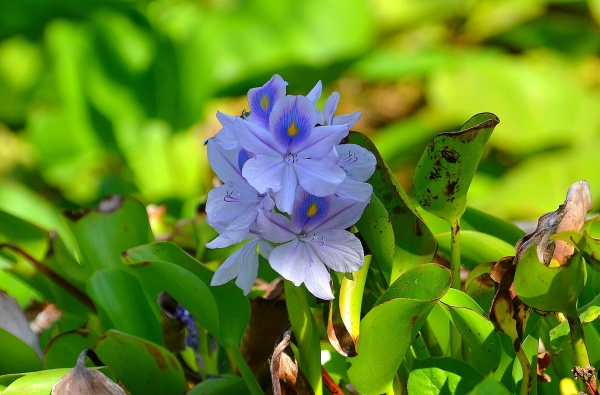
313, 240
290, 189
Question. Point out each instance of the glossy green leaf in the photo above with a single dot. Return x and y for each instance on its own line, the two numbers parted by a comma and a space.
415, 243
473, 219
41, 383
437, 376
476, 330
489, 386
143, 367
17, 356
549, 288
225, 384
351, 296
306, 334
181, 284
121, 297
62, 351
447, 167
107, 230
29, 237
387, 330
60, 259
232, 306
376, 230
480, 286
476, 247
560, 335
7, 379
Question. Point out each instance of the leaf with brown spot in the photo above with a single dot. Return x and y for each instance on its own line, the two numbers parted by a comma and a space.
446, 168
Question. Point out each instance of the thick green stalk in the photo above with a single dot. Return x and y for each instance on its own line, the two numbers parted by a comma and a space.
526, 367
244, 369
307, 335
577, 341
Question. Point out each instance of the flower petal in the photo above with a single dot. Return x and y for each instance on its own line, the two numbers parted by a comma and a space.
276, 227
242, 264
315, 93
317, 281
284, 198
330, 106
224, 162
355, 190
321, 141
338, 249
347, 119
309, 208
290, 261
261, 100
358, 162
342, 214
255, 139
319, 177
226, 136
264, 172
292, 121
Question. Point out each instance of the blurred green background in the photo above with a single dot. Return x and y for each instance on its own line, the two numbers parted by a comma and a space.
104, 96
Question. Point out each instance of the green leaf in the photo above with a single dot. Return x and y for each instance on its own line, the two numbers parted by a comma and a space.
476, 330
447, 167
107, 230
233, 307
225, 384
121, 297
376, 230
548, 288
474, 219
62, 351
41, 383
433, 376
480, 286
489, 386
181, 284
476, 248
306, 333
560, 335
143, 367
388, 329
17, 356
415, 243
351, 296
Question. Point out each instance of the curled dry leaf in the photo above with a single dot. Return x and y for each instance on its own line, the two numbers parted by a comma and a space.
81, 380
544, 360
568, 216
287, 378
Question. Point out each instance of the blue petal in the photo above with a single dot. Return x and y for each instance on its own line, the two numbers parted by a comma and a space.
315, 93
319, 177
358, 162
242, 264
264, 172
339, 249
275, 227
342, 214
330, 106
309, 208
292, 120
224, 162
262, 100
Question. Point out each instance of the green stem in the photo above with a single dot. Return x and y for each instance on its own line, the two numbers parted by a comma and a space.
577, 340
526, 367
307, 335
455, 254
244, 369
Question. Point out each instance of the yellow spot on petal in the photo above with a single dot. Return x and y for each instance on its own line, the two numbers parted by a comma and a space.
312, 210
292, 129
264, 102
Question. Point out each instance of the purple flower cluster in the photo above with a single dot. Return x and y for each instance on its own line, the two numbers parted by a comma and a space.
290, 189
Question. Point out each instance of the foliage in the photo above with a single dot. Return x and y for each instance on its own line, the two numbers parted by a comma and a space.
107, 105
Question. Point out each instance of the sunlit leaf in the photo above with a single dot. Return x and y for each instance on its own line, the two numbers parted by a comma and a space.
447, 167
350, 298
436, 376
476, 248
387, 330
414, 242
18, 357
233, 308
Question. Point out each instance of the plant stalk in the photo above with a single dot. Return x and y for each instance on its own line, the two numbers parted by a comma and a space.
577, 340
455, 253
526, 367
244, 369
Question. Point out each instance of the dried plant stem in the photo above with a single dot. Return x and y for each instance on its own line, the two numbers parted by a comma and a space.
52, 275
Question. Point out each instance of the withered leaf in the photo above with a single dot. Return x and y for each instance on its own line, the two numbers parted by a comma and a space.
287, 378
81, 380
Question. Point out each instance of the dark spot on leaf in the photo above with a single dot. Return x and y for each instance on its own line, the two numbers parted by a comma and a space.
451, 188
413, 320
450, 155
157, 355
141, 264
173, 363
